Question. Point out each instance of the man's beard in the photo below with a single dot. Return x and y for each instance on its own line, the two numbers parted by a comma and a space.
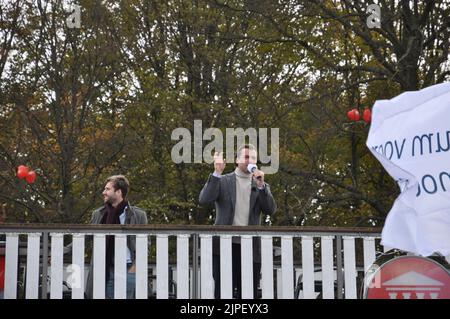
108, 200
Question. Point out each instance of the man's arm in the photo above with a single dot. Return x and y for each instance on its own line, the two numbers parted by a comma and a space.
210, 191
144, 219
266, 200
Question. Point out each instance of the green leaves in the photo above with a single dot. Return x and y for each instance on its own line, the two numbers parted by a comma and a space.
82, 104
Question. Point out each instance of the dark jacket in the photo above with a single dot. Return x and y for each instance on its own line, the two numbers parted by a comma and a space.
133, 215
222, 191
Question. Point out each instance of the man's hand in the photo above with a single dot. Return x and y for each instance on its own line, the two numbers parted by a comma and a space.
259, 178
219, 163
132, 269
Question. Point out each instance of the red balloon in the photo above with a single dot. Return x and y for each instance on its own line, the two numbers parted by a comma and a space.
350, 115
22, 171
367, 116
356, 114
353, 115
31, 177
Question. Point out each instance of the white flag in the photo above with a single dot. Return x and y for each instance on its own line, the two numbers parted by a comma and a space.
410, 136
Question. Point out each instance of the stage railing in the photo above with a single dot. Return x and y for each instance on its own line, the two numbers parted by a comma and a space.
175, 261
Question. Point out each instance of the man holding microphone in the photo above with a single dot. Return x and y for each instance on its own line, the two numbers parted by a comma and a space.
240, 198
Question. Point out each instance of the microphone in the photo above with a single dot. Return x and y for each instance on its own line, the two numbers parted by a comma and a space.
252, 168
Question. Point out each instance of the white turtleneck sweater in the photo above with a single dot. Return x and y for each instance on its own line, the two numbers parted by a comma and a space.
243, 191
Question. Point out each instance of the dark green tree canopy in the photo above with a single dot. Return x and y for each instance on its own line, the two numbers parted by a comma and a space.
82, 103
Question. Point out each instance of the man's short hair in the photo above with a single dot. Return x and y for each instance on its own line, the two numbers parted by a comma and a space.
250, 147
119, 182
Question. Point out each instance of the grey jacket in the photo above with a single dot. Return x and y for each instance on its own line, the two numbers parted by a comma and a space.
222, 191
133, 215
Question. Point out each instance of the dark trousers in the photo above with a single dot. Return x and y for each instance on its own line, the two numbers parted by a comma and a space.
131, 283
236, 270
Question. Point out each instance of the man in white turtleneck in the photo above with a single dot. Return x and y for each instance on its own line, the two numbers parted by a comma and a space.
243, 190
240, 198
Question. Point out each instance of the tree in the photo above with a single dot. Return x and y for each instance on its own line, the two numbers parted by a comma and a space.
58, 85
84, 103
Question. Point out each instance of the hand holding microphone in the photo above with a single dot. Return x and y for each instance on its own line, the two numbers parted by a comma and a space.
259, 175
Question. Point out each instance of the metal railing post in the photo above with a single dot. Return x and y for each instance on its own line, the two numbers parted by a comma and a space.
195, 290
339, 273
44, 287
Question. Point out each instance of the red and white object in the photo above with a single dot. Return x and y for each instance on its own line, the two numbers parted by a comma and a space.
409, 277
